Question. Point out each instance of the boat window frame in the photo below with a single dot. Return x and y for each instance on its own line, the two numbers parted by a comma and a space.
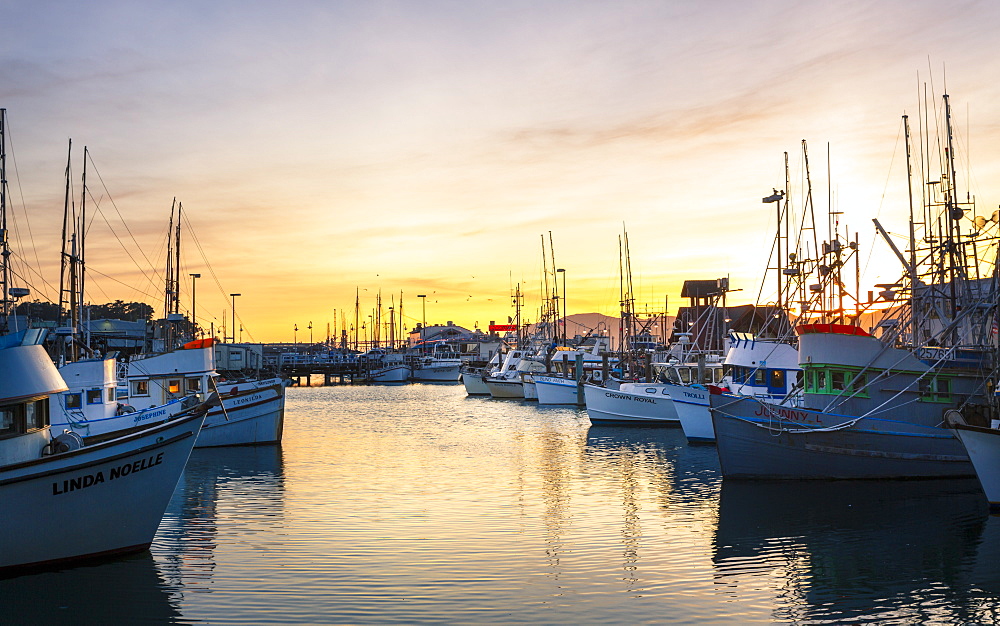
73, 400
140, 388
95, 396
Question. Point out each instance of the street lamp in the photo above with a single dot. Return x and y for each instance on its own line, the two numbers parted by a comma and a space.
233, 295
310, 333
194, 324
295, 334
423, 325
563, 272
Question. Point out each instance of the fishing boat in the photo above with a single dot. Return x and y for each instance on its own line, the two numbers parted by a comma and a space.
379, 366
982, 444
250, 412
876, 402
473, 376
435, 361
65, 502
90, 406
637, 404
755, 367
505, 381
571, 368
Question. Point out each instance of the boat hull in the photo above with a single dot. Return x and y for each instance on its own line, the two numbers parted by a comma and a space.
758, 440
474, 384
505, 388
983, 446
556, 390
438, 372
107, 427
92, 502
254, 414
636, 407
390, 374
693, 412
529, 389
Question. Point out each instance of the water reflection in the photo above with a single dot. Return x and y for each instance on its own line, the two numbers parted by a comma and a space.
685, 476
237, 486
118, 592
862, 552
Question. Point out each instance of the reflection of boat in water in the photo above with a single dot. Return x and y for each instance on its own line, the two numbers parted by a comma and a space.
842, 550
241, 486
692, 472
124, 591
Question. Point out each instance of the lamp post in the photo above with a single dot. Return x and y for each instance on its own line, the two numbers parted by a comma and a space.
310, 333
295, 334
423, 324
563, 272
194, 315
233, 295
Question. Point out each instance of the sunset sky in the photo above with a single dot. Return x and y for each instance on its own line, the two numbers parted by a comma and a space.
423, 147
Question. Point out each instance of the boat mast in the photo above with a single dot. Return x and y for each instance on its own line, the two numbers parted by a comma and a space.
82, 326
5, 308
66, 292
916, 314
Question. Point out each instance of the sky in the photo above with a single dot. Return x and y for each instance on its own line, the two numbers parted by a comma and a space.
324, 149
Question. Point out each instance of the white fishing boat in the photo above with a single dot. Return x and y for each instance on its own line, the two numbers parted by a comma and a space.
507, 382
753, 367
983, 447
472, 378
553, 389
434, 361
66, 502
250, 412
635, 404
90, 406
571, 368
379, 366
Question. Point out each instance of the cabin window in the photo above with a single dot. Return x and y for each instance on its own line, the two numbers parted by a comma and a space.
194, 385
859, 382
685, 375
36, 415
935, 389
778, 379
173, 386
94, 396
236, 356
8, 423
112, 394
730, 371
719, 375
140, 387
759, 379
838, 381
73, 401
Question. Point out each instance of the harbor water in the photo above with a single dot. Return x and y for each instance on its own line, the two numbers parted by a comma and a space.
416, 504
